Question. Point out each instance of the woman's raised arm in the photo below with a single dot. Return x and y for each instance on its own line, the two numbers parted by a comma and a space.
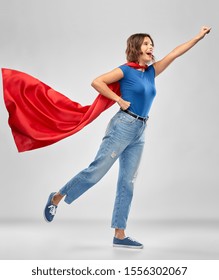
162, 64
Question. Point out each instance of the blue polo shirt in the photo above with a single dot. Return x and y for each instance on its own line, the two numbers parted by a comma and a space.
138, 88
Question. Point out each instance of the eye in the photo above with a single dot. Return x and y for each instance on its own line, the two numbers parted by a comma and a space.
149, 44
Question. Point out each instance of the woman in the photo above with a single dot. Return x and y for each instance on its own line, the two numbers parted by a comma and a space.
124, 138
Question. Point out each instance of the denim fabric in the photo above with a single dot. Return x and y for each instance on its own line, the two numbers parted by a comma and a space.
124, 139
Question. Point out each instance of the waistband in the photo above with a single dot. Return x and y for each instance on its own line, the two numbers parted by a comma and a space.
136, 116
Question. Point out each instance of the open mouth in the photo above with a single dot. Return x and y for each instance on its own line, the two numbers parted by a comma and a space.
150, 55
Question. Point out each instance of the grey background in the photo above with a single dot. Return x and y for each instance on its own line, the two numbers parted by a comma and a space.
66, 44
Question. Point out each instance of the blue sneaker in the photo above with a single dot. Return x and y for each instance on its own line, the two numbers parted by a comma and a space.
50, 209
127, 242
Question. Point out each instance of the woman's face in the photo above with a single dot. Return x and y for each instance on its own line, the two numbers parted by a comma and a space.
147, 48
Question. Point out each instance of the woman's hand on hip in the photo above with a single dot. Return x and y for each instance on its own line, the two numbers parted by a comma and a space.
123, 104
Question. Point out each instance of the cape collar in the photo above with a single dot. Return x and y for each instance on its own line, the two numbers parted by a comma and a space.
136, 65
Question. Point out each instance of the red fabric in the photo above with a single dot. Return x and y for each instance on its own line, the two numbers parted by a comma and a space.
40, 116
136, 65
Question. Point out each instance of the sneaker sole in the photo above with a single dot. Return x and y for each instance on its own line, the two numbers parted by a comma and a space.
128, 246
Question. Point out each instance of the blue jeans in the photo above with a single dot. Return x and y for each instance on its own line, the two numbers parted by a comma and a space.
124, 139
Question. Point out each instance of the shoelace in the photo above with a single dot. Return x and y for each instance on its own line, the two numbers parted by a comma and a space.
52, 210
131, 239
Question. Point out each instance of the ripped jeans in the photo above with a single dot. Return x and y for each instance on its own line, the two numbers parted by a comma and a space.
124, 139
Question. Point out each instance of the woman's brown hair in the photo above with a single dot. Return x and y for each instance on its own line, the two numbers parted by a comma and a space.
134, 43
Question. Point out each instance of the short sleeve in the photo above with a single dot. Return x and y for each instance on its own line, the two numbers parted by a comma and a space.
151, 70
124, 69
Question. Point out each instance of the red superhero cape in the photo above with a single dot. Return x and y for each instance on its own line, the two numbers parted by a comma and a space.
40, 116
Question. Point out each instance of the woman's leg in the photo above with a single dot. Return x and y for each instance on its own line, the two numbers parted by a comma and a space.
109, 151
129, 162
114, 142
121, 131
